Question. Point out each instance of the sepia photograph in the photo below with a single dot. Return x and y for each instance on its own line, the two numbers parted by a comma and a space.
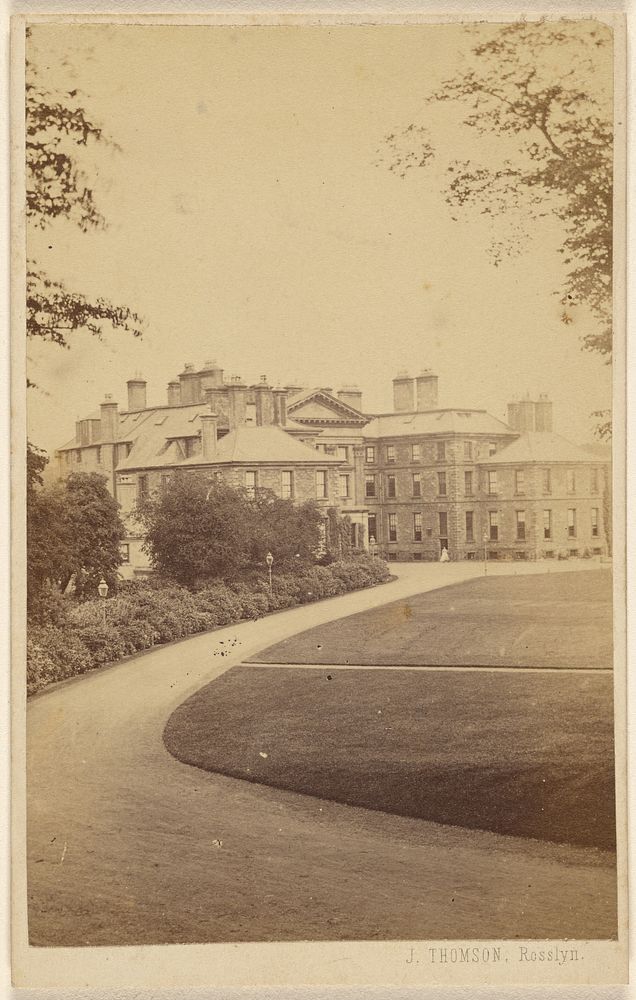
318, 560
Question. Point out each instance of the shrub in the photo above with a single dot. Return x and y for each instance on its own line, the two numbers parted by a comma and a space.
219, 604
144, 613
53, 654
254, 603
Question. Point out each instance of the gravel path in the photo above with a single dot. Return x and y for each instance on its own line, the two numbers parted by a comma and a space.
128, 846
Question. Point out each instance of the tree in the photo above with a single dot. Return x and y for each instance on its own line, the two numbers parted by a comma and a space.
196, 529
291, 532
73, 534
338, 534
57, 188
92, 517
539, 82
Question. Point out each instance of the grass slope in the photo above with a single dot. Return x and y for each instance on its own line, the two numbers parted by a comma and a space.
549, 620
523, 754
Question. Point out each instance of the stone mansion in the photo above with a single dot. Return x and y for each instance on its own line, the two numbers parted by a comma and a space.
413, 482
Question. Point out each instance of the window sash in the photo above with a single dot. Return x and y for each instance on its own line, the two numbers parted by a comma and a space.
321, 484
287, 485
392, 526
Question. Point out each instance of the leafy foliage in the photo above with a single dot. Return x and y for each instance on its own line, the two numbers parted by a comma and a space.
291, 532
57, 128
517, 87
196, 530
141, 615
73, 533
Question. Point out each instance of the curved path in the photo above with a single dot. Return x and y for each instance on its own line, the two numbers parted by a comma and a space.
128, 846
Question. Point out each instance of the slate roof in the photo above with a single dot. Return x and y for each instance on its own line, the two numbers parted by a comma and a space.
540, 447
445, 421
246, 445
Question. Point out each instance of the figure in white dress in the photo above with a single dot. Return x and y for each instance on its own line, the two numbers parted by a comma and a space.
444, 556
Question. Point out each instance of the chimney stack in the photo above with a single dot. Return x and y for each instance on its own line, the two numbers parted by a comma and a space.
426, 389
543, 413
109, 420
403, 392
209, 423
174, 393
521, 415
136, 393
350, 395
280, 407
190, 385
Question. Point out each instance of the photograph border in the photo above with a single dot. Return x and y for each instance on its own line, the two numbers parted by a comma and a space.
298, 964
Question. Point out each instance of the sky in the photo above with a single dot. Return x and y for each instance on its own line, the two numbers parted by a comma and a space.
253, 221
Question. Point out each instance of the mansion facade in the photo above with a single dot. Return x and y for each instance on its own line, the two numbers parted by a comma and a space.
412, 482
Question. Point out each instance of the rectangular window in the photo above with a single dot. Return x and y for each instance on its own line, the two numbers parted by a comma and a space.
369, 486
416, 452
468, 451
142, 488
370, 453
570, 479
344, 487
417, 527
321, 484
520, 481
468, 484
547, 524
390, 486
390, 453
373, 527
492, 447
493, 521
250, 483
521, 525
571, 522
165, 482
124, 551
547, 481
250, 413
287, 484
417, 484
492, 481
78, 456
392, 523
594, 480
441, 483
342, 452
443, 524
594, 522
98, 456
470, 537
441, 451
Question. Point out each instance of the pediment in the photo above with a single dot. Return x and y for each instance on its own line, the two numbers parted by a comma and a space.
320, 406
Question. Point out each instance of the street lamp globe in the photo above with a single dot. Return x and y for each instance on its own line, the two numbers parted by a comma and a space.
102, 588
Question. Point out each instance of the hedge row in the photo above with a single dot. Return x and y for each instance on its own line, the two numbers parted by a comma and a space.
143, 615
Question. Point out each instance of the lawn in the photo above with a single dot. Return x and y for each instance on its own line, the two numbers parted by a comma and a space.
526, 754
547, 620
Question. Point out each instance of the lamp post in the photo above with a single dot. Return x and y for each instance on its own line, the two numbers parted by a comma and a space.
102, 589
269, 559
485, 553
372, 546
